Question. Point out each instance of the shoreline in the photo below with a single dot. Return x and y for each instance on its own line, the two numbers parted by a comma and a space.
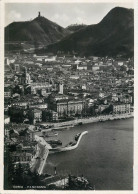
101, 118
42, 144
39, 159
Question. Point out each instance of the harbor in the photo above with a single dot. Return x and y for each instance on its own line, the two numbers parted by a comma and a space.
70, 146
105, 129
106, 152
43, 148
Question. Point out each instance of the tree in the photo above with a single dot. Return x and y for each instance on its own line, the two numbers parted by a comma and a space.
78, 183
8, 170
18, 178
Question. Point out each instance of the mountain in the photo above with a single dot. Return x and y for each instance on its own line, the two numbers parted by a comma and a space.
75, 27
112, 36
39, 30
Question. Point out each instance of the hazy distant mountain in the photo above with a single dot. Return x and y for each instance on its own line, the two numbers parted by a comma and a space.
75, 27
39, 30
113, 35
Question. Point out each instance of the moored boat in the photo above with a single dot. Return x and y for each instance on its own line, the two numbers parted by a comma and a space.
51, 134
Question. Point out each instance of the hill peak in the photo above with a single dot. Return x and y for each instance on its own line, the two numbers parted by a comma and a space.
41, 18
113, 35
40, 29
119, 13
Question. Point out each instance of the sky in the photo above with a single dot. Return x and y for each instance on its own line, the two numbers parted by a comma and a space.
63, 14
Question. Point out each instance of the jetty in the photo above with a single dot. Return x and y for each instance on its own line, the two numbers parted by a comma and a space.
70, 146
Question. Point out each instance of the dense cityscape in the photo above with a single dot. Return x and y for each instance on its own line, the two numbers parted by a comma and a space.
45, 91
69, 99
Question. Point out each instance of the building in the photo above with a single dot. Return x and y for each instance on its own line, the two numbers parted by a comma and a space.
6, 132
7, 92
95, 67
6, 119
19, 104
126, 99
17, 67
60, 97
115, 98
69, 107
16, 114
24, 148
7, 61
84, 87
43, 92
74, 77
13, 133
121, 108
27, 135
120, 63
40, 106
50, 59
61, 88
35, 115
82, 67
78, 62
101, 95
54, 116
26, 78
39, 86
21, 157
49, 115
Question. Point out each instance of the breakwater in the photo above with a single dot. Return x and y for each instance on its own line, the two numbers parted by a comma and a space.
69, 147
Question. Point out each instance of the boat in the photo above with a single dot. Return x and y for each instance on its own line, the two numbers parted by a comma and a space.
62, 127
59, 128
77, 136
37, 158
54, 142
69, 146
50, 134
80, 123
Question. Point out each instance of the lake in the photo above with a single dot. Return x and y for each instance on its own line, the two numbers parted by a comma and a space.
104, 155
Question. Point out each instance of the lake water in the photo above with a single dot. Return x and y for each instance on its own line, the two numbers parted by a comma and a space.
104, 155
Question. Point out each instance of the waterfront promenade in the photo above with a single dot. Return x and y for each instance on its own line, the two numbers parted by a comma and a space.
100, 118
39, 160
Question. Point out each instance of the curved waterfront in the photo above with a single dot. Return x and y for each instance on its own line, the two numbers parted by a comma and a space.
104, 156
69, 146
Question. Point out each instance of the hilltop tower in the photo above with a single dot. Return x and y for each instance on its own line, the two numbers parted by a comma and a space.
39, 15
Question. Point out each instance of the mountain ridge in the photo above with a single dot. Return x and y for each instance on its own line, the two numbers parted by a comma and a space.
113, 35
75, 27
